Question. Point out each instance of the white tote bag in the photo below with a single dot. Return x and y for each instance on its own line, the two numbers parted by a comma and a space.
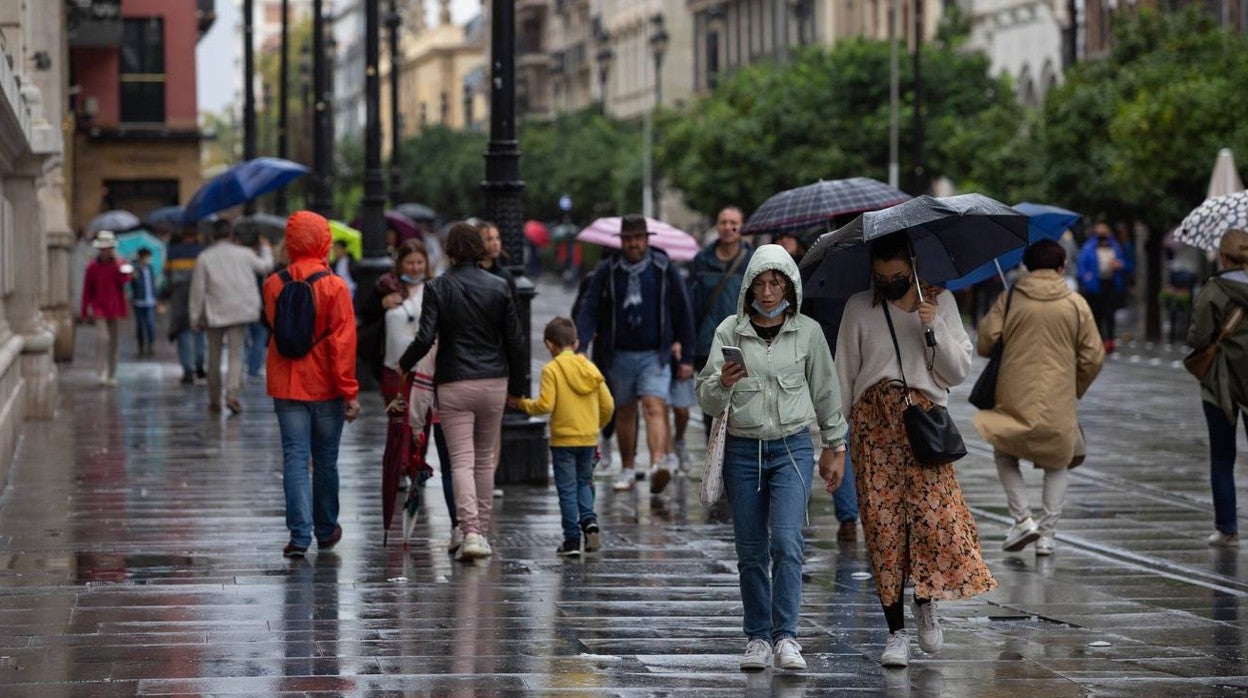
713, 471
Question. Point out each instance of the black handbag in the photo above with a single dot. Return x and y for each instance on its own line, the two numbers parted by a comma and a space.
933, 436
984, 393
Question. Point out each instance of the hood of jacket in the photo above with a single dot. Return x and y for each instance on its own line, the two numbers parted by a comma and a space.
307, 236
582, 376
1043, 285
769, 258
1234, 284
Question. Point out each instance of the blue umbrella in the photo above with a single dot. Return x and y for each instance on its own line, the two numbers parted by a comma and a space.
1043, 223
241, 184
166, 218
129, 244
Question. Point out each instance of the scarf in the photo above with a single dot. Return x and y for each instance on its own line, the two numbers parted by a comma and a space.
632, 294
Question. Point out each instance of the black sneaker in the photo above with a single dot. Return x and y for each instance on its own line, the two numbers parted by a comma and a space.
292, 550
570, 548
200, 373
188, 378
593, 537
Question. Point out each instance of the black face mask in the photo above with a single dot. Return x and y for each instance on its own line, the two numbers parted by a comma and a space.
893, 290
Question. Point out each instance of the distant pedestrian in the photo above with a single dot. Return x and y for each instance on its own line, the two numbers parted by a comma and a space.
143, 300
1103, 269
1052, 353
714, 287
257, 330
316, 392
786, 382
341, 258
224, 299
575, 395
635, 310
1224, 389
180, 260
494, 254
472, 316
914, 518
104, 300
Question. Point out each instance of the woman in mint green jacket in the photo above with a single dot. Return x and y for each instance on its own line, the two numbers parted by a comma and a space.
785, 382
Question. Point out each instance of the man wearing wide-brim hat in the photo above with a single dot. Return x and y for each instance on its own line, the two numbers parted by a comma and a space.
104, 298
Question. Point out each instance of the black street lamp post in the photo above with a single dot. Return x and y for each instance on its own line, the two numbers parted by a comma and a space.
920, 184
249, 91
658, 45
605, 56
279, 199
523, 440
393, 23
322, 145
376, 261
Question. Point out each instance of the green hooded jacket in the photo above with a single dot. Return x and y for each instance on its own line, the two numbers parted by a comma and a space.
789, 384
1226, 383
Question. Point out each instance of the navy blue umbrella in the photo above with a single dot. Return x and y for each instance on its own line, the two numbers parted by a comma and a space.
1043, 223
951, 236
240, 184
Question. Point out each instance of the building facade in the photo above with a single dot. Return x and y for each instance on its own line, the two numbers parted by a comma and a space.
136, 135
35, 238
347, 81
1025, 39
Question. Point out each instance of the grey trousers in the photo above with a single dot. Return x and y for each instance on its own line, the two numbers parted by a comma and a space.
234, 336
1053, 496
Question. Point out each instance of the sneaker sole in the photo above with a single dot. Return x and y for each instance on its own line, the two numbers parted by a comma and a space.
569, 553
1021, 542
792, 666
754, 666
1044, 553
895, 663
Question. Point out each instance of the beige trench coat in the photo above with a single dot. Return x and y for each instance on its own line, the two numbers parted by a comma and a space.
1053, 352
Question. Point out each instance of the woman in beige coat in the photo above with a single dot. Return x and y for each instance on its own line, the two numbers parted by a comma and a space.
1052, 353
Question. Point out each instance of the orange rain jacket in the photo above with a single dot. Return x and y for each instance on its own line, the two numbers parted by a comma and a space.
328, 371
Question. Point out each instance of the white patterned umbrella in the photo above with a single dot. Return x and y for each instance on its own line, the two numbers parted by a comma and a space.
1204, 226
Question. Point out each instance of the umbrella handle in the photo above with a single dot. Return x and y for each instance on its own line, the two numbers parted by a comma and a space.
929, 335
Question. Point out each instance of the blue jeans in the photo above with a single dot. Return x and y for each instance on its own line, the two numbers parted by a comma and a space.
845, 498
574, 480
192, 347
310, 430
145, 325
257, 346
768, 484
1222, 466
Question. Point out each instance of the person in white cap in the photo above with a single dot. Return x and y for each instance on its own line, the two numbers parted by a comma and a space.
104, 299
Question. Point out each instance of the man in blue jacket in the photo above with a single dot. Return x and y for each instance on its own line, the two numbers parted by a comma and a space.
634, 310
1103, 268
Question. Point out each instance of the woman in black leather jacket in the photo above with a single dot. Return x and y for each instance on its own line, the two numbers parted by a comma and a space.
480, 361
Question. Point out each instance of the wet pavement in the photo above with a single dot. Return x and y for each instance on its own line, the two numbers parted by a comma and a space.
141, 538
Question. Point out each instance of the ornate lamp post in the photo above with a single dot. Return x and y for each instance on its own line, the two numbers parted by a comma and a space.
524, 441
279, 199
249, 91
393, 22
375, 260
322, 145
658, 47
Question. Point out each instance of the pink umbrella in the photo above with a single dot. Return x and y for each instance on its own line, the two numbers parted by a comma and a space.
678, 244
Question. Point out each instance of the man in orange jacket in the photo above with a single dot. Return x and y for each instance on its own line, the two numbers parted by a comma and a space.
313, 394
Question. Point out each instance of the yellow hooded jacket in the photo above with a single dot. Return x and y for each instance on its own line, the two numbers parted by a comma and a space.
575, 395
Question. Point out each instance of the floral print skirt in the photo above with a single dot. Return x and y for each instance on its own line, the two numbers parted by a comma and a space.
914, 518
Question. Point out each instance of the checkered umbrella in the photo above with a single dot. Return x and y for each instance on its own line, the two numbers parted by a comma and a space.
1204, 226
815, 204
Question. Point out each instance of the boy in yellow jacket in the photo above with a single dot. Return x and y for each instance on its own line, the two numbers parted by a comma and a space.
576, 396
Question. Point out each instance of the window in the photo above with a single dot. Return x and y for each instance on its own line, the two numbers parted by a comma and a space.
143, 71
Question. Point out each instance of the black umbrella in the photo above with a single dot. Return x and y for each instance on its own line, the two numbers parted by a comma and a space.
814, 205
250, 228
951, 236
419, 213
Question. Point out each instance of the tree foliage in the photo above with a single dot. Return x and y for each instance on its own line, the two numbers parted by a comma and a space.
825, 115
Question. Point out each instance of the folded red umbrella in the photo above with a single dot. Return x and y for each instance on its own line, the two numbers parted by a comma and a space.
537, 233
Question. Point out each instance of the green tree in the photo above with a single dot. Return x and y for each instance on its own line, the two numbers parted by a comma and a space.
1133, 137
825, 115
593, 160
443, 169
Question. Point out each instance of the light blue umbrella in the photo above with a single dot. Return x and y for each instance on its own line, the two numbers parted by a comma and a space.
129, 244
1043, 223
240, 184
116, 220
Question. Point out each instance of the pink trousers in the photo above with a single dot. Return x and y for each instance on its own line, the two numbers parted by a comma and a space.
472, 415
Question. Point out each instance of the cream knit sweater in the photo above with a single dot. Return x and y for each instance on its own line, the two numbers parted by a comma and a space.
865, 355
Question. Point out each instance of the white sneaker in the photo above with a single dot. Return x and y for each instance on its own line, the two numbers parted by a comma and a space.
457, 540
931, 638
624, 482
485, 543
1021, 535
682, 457
788, 654
1045, 546
474, 547
896, 650
606, 454
757, 655
1219, 539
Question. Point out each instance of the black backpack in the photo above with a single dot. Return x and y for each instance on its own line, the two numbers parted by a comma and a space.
294, 315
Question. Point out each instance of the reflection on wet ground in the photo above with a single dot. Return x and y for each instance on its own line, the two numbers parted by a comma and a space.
140, 553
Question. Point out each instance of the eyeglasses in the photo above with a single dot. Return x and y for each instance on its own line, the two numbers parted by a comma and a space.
774, 285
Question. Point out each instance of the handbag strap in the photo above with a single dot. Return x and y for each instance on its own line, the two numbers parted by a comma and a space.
723, 281
1231, 323
897, 349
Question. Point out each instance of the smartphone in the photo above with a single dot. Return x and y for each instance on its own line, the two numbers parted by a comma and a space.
733, 355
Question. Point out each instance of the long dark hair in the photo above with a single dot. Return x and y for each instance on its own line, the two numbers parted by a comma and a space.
463, 244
